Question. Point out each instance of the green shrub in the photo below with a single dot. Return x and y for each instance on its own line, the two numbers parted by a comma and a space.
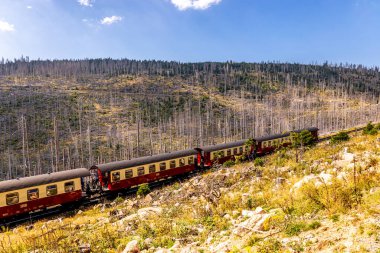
250, 203
143, 190
253, 239
119, 200
338, 196
269, 246
228, 164
313, 225
295, 228
334, 217
240, 158
370, 129
340, 137
296, 246
305, 138
258, 162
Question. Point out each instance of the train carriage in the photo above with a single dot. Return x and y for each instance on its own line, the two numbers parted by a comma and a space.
24, 195
221, 153
125, 174
270, 143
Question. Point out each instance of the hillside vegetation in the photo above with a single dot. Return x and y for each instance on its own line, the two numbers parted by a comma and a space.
326, 202
59, 115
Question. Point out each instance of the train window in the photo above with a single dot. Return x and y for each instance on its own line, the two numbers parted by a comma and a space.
241, 150
182, 162
152, 168
69, 186
172, 164
33, 194
162, 166
228, 152
235, 151
190, 160
12, 198
140, 171
51, 190
115, 176
128, 174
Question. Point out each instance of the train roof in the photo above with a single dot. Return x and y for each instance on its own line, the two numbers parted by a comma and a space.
277, 136
224, 146
26, 182
143, 160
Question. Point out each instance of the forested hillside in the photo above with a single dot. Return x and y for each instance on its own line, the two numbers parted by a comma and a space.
59, 115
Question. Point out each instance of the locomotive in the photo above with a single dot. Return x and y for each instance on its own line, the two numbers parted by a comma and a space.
38, 193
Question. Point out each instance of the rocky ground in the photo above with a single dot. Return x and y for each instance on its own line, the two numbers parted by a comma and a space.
329, 201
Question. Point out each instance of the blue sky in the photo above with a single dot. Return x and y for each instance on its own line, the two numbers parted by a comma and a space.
305, 31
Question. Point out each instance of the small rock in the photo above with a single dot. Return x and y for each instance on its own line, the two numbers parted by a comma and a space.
189, 249
223, 233
349, 157
85, 248
162, 251
144, 212
280, 180
113, 213
29, 227
148, 242
247, 213
148, 199
128, 219
132, 247
374, 190
227, 216
80, 212
223, 247
175, 246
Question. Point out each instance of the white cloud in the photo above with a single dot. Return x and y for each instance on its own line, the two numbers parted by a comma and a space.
29, 7
6, 27
87, 3
194, 4
110, 20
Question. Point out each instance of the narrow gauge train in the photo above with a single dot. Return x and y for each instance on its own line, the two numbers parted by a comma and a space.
38, 193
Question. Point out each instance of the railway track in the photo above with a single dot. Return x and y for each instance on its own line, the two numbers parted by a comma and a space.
106, 197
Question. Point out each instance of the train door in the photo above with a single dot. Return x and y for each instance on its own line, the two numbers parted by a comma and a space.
199, 163
94, 182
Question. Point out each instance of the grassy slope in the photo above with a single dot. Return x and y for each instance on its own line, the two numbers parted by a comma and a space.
341, 213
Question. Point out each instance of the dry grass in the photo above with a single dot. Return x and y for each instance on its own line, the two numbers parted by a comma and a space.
195, 220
